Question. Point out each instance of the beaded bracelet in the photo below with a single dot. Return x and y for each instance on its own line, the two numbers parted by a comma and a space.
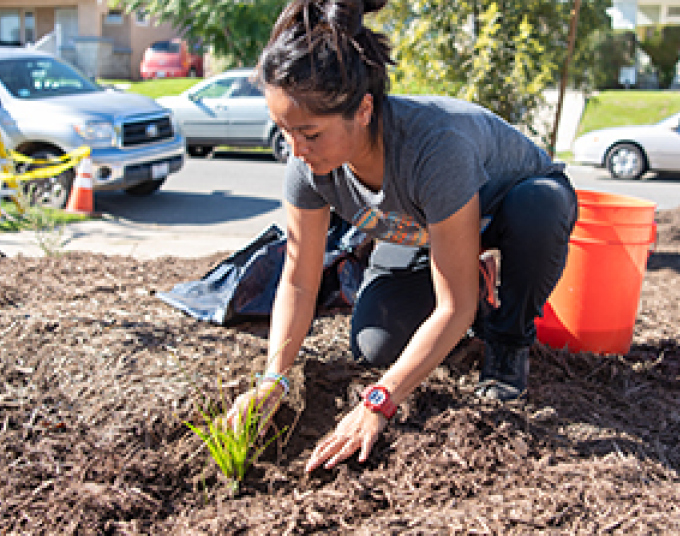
276, 377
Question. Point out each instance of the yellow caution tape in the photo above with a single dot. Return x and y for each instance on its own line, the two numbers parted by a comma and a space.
69, 160
77, 154
55, 166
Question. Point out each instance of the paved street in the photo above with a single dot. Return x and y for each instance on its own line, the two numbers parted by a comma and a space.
662, 189
222, 203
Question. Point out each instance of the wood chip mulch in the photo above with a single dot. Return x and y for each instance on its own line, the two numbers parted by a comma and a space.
98, 375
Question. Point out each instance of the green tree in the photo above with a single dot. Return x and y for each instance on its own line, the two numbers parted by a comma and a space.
235, 29
612, 50
663, 48
501, 53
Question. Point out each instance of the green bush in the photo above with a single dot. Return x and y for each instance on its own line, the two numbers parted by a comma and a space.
613, 49
662, 45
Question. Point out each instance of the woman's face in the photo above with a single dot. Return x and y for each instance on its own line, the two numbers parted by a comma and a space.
323, 142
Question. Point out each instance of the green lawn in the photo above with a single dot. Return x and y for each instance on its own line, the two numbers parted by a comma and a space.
615, 108
155, 88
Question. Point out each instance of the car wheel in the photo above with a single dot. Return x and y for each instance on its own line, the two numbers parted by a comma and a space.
199, 151
626, 161
280, 147
145, 188
52, 192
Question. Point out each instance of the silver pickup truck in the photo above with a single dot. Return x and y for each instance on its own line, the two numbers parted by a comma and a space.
48, 108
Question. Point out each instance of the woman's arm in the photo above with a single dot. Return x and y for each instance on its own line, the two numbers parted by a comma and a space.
454, 262
294, 305
296, 296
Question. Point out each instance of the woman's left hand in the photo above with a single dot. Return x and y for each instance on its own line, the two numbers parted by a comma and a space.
359, 429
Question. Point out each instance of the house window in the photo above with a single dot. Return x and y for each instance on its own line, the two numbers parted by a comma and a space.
114, 17
673, 12
142, 17
10, 27
29, 27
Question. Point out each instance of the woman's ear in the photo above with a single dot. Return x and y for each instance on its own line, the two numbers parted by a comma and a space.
365, 111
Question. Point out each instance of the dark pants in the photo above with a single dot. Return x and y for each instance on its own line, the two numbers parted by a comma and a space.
530, 228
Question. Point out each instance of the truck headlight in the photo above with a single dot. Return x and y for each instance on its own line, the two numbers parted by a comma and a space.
96, 133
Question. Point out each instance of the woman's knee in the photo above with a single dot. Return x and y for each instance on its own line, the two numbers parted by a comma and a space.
545, 205
388, 310
374, 346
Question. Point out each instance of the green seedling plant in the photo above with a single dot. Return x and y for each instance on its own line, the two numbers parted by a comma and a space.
231, 448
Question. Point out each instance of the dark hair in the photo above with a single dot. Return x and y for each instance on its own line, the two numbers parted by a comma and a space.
321, 54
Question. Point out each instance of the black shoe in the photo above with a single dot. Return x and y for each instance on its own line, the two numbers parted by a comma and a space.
504, 373
487, 293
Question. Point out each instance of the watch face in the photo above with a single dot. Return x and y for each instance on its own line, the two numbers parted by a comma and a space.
376, 397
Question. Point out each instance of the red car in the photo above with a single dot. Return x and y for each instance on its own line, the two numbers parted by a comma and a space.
170, 59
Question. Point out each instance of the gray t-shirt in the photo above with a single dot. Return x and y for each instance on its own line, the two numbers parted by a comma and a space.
439, 152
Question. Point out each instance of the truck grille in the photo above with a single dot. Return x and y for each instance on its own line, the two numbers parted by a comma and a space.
146, 131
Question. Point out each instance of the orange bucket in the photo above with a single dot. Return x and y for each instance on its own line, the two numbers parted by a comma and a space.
594, 305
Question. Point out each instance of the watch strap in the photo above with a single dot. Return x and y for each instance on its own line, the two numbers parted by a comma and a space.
388, 408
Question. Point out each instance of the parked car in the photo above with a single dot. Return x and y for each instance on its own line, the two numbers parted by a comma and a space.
49, 108
227, 109
628, 152
170, 59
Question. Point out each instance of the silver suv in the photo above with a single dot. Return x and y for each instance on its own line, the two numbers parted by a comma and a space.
48, 108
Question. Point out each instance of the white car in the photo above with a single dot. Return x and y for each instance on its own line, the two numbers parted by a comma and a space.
629, 152
227, 109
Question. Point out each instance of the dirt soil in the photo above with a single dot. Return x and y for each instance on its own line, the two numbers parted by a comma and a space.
98, 375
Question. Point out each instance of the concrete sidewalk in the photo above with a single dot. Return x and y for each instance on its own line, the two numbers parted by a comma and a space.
119, 237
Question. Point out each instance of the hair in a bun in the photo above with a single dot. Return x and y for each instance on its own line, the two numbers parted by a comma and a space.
321, 53
347, 16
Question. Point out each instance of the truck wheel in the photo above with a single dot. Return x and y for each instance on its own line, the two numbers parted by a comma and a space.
280, 147
144, 188
52, 192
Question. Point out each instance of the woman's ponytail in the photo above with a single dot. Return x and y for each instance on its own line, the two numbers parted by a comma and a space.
321, 54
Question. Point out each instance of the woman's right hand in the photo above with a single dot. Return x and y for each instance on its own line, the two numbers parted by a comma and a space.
266, 396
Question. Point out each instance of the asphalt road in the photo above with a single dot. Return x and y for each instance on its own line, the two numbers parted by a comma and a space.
239, 194
222, 203
235, 193
662, 189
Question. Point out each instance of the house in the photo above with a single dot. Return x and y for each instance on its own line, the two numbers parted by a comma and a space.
102, 41
630, 14
638, 15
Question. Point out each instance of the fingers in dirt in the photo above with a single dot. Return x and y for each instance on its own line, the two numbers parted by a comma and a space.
336, 448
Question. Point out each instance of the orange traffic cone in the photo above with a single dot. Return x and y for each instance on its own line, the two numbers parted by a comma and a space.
81, 199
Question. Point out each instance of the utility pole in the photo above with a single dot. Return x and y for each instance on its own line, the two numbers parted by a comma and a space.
565, 72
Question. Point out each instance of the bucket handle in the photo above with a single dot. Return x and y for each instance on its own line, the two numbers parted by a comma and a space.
653, 239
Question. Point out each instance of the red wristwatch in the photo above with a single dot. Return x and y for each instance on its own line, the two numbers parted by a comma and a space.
377, 398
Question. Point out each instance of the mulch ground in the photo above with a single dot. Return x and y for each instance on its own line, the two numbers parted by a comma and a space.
98, 375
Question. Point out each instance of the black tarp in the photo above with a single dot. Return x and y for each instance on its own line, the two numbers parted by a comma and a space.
242, 287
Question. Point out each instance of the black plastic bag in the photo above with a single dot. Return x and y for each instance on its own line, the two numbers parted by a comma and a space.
242, 287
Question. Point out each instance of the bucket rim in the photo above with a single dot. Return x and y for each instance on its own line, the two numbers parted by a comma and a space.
598, 242
611, 200
608, 223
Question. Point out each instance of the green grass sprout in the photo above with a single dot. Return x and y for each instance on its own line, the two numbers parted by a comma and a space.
231, 448
234, 450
